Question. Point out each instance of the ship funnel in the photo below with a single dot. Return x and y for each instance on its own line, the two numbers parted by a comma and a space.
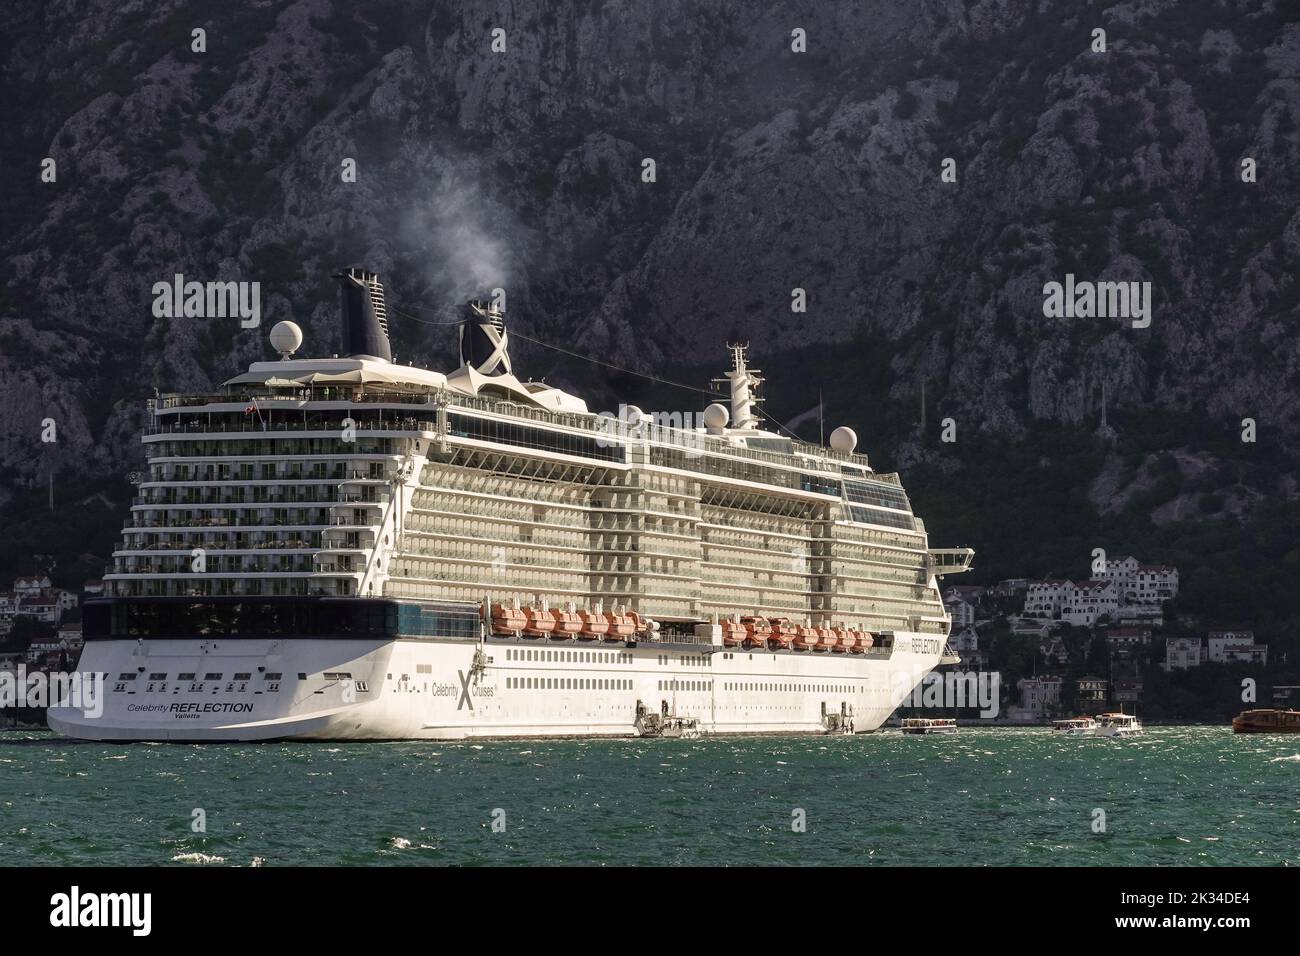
365, 320
483, 339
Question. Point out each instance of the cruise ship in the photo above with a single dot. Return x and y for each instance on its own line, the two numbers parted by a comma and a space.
350, 548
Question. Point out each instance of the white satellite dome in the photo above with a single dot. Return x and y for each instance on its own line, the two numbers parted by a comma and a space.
716, 417
632, 415
286, 338
844, 439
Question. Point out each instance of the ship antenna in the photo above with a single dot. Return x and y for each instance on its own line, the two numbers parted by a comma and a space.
744, 382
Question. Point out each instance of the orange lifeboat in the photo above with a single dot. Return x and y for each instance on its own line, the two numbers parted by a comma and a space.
783, 632
567, 624
540, 622
805, 638
865, 640
757, 631
826, 639
594, 625
733, 632
621, 626
842, 640
855, 636
508, 620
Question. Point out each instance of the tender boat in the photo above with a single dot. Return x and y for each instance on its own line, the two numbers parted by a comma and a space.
621, 626
508, 620
733, 633
929, 725
1117, 725
540, 622
806, 638
783, 632
594, 625
567, 624
757, 631
668, 725
826, 639
1075, 727
1267, 721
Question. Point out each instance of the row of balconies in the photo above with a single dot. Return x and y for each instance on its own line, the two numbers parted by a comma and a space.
223, 542
216, 564
180, 587
267, 471
257, 496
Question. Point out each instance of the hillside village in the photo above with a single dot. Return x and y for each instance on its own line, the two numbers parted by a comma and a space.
40, 624
1102, 643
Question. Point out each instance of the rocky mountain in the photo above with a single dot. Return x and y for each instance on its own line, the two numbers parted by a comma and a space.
524, 167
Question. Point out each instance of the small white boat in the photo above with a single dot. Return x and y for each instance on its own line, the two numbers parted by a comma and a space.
1103, 725
1075, 727
668, 725
1117, 725
929, 725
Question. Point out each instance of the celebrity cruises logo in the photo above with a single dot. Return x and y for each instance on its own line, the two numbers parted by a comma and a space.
76, 909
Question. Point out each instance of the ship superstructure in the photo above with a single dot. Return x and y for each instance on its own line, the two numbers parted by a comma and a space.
351, 547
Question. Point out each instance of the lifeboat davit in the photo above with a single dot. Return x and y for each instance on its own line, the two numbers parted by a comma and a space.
783, 632
508, 620
733, 632
805, 638
865, 640
594, 625
567, 625
621, 626
540, 623
826, 639
757, 631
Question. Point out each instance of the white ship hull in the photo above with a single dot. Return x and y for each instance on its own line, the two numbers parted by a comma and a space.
429, 689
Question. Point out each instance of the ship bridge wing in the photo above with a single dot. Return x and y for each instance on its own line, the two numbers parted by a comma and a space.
950, 560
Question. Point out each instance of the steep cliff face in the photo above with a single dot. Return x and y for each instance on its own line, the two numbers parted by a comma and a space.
774, 170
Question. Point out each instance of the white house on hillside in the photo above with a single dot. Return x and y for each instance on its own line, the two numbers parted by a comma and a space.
1156, 583
1235, 647
1089, 601
1183, 653
1121, 571
1045, 598
962, 612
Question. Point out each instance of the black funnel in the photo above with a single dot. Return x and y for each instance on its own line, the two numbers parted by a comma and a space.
483, 339
365, 320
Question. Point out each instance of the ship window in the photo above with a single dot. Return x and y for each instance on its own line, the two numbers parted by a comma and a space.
277, 676
157, 676
212, 677
185, 677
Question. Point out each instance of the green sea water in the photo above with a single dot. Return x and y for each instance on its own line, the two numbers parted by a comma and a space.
1179, 796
